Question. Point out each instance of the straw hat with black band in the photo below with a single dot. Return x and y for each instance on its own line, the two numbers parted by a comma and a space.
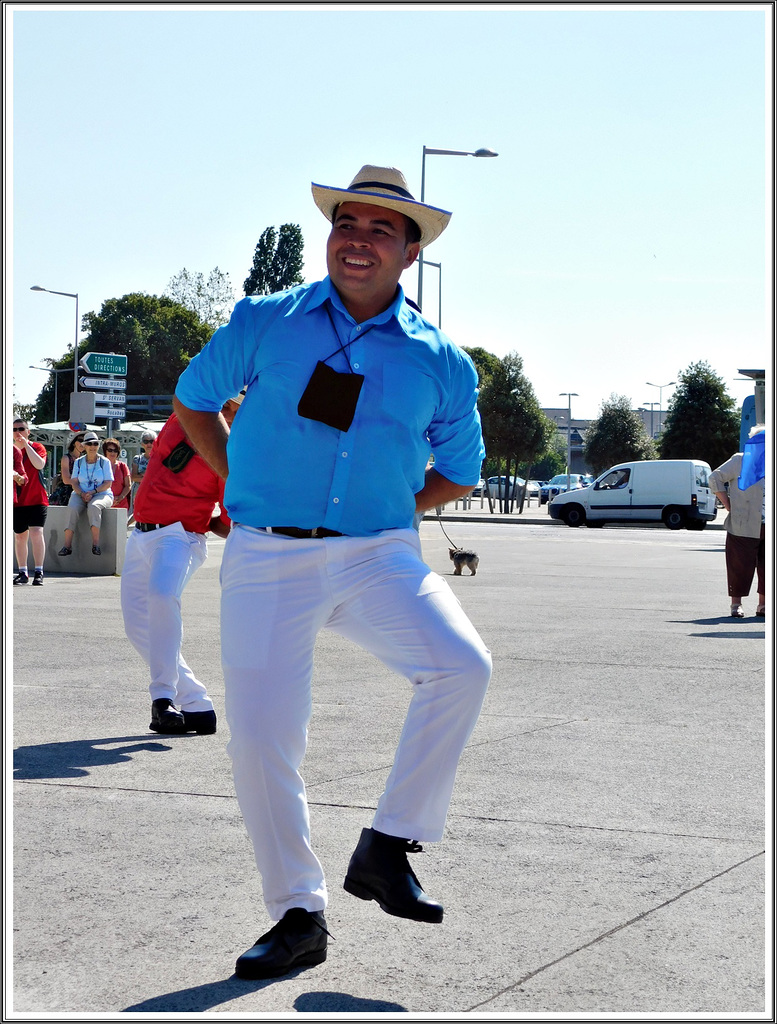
386, 187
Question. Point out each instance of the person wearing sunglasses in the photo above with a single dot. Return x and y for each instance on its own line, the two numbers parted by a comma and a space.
31, 506
122, 478
92, 477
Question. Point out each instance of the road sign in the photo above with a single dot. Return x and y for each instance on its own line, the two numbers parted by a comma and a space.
105, 398
104, 362
82, 406
109, 383
106, 412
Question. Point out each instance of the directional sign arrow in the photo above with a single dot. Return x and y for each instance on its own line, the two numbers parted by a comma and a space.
104, 382
104, 362
107, 413
107, 399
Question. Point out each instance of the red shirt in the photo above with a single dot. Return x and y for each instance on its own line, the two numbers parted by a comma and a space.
121, 475
33, 492
188, 497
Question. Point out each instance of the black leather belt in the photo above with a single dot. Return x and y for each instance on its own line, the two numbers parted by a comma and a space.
294, 531
148, 527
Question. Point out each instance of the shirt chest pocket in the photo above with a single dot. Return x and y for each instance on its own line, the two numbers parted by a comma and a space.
409, 396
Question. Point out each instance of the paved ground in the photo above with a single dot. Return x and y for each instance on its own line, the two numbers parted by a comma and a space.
605, 848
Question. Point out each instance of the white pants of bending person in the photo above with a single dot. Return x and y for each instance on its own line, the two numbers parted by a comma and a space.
277, 593
157, 567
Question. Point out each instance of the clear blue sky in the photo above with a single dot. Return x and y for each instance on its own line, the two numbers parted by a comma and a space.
620, 235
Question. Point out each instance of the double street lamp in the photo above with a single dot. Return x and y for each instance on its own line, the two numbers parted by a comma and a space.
652, 404
440, 152
70, 295
660, 394
50, 369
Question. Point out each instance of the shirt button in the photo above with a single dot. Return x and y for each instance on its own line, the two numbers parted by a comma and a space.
356, 366
359, 327
345, 455
336, 501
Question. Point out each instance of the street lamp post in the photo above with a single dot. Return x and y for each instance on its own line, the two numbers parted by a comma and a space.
439, 293
660, 394
651, 404
570, 395
440, 152
70, 295
50, 369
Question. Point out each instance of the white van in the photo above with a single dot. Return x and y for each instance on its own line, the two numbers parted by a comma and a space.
675, 491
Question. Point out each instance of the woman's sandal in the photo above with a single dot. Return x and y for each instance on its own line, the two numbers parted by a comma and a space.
96, 549
737, 612
64, 551
761, 611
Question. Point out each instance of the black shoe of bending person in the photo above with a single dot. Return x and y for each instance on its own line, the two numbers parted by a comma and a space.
201, 722
297, 940
379, 870
165, 717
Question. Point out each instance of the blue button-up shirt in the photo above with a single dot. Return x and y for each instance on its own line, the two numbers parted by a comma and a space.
419, 396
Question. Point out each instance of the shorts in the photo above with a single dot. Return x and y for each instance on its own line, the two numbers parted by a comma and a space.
25, 516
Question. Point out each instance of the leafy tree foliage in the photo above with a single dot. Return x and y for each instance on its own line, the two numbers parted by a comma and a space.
211, 300
515, 428
276, 267
485, 362
157, 334
618, 435
702, 421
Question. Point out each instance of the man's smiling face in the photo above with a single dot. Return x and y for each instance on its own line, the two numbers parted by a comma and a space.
366, 252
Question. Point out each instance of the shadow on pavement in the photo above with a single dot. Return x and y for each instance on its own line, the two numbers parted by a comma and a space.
70, 760
204, 997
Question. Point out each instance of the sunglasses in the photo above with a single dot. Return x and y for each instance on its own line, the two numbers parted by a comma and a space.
116, 450
89, 444
19, 430
150, 440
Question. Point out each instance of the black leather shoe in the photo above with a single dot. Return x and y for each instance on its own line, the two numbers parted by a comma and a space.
297, 940
165, 717
379, 870
21, 579
201, 722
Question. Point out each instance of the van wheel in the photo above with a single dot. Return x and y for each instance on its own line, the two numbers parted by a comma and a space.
696, 524
574, 515
674, 518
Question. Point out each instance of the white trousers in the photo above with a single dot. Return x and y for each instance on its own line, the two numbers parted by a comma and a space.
157, 567
277, 593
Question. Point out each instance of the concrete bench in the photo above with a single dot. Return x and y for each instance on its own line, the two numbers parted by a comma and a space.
113, 541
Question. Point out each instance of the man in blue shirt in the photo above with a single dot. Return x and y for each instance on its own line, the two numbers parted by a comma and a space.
349, 389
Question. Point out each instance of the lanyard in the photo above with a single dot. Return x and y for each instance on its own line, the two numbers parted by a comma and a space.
342, 347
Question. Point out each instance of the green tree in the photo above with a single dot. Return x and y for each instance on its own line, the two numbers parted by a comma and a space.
211, 300
485, 362
515, 428
158, 335
618, 435
276, 267
702, 420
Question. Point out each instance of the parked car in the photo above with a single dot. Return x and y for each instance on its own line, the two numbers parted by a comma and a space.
673, 491
559, 484
478, 489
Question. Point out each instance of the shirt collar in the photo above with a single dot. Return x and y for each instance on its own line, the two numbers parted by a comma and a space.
323, 290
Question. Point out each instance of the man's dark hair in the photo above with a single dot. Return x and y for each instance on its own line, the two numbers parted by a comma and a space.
26, 424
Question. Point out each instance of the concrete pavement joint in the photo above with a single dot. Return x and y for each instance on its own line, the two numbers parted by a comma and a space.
601, 828
614, 931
